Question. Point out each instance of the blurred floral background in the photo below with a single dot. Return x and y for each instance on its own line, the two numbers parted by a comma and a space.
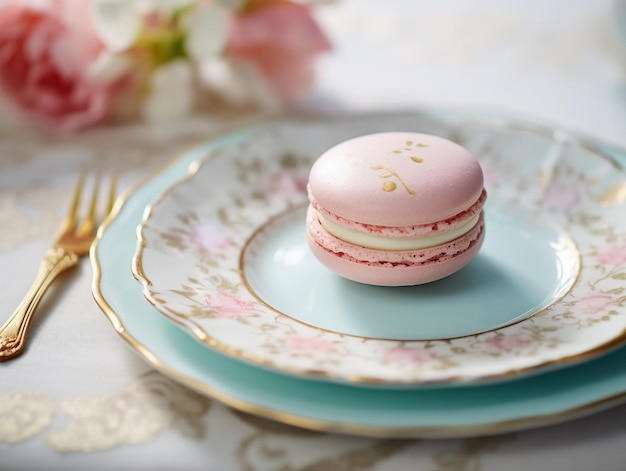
72, 64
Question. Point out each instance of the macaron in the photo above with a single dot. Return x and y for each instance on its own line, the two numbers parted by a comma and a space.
396, 208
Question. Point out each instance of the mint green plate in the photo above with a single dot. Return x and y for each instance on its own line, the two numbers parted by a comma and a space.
540, 399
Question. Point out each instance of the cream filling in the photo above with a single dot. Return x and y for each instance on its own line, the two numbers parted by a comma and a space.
394, 243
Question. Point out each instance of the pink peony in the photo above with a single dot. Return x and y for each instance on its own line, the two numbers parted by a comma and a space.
614, 255
509, 343
282, 40
592, 304
45, 52
408, 355
228, 305
308, 344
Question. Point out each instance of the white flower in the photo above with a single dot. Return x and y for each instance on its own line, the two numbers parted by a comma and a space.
117, 23
171, 92
171, 85
207, 31
238, 84
162, 6
108, 67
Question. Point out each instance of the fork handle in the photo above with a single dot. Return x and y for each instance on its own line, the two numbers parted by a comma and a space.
13, 332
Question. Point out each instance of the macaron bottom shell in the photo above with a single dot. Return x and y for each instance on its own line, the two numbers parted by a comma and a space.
377, 267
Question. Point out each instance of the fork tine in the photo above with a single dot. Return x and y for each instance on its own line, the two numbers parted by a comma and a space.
70, 220
87, 224
94, 201
112, 193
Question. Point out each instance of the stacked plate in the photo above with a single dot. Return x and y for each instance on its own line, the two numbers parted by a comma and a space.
231, 303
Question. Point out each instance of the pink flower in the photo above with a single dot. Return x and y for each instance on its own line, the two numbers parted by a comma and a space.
408, 355
282, 40
45, 53
211, 237
614, 255
284, 185
509, 343
228, 305
308, 344
592, 304
562, 197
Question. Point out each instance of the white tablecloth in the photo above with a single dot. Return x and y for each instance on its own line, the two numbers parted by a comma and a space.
76, 399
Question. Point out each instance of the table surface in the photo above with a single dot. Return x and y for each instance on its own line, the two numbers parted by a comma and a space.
73, 400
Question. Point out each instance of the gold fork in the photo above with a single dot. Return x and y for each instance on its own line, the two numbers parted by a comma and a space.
74, 239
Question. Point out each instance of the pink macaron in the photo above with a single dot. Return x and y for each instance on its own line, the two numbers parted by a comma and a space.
396, 208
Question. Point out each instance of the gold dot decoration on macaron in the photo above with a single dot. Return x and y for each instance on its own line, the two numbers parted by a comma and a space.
388, 172
389, 186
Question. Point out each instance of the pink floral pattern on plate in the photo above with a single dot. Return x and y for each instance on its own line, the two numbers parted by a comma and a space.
509, 343
285, 184
303, 343
408, 355
612, 255
563, 197
211, 236
225, 304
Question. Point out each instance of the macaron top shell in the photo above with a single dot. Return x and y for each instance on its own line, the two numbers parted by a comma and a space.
396, 179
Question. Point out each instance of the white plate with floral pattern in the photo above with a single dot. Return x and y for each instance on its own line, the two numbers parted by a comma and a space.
222, 253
